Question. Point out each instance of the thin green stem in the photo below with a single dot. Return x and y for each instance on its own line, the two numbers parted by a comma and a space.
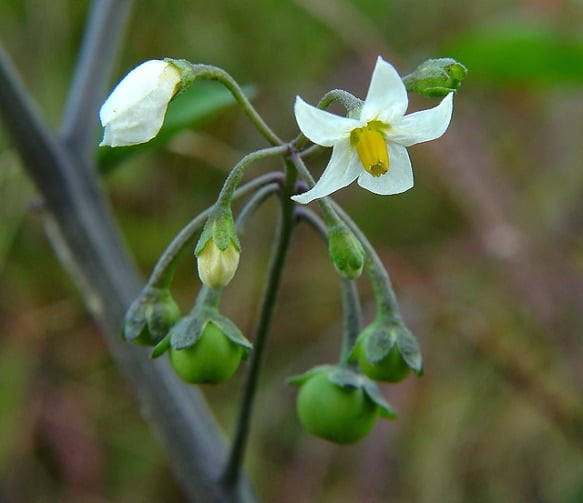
386, 300
209, 72
352, 316
234, 464
164, 270
350, 102
237, 173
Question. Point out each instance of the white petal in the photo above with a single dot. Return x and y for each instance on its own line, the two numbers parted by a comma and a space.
342, 170
387, 96
321, 127
132, 88
398, 179
135, 110
424, 125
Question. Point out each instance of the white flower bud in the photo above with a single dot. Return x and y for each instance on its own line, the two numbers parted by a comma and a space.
217, 267
134, 111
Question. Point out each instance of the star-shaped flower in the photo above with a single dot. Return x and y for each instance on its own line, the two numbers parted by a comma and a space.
372, 146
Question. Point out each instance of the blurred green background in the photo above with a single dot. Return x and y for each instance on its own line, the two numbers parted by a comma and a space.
486, 254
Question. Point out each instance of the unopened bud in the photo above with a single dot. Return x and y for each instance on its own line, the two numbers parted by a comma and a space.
436, 77
345, 251
134, 111
217, 267
218, 250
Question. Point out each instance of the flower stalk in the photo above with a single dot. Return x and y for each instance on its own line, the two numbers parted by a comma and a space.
163, 271
232, 472
192, 72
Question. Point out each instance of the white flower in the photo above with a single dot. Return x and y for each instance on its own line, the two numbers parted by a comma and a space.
134, 111
371, 148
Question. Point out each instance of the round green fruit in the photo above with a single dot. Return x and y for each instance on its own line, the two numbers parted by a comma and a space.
213, 358
392, 368
340, 414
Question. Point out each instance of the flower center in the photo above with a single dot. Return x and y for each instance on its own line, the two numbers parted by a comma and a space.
371, 147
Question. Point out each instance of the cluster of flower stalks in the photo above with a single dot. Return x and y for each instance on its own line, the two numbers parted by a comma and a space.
339, 402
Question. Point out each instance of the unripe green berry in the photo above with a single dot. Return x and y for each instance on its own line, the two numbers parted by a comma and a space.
392, 368
212, 359
150, 317
341, 414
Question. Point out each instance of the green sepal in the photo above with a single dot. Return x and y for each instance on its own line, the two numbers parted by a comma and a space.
163, 315
135, 320
373, 392
220, 227
150, 316
232, 332
302, 378
377, 340
160, 348
344, 377
187, 331
410, 351
436, 78
187, 72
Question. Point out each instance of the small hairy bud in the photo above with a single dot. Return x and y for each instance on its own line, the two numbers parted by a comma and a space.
345, 251
436, 77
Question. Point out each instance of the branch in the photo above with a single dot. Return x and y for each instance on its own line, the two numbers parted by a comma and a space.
105, 26
85, 236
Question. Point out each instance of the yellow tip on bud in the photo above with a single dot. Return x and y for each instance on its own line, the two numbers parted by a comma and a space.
217, 267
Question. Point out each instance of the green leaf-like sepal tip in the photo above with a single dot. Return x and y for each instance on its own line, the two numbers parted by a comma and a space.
386, 351
220, 227
189, 329
347, 378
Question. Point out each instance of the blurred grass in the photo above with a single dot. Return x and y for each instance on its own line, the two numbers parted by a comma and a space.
485, 252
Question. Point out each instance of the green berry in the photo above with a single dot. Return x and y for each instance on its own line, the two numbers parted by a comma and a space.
212, 359
392, 368
341, 414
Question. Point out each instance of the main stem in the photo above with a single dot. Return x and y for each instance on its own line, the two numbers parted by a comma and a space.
234, 464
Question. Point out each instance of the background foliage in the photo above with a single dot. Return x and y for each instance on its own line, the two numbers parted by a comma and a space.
486, 254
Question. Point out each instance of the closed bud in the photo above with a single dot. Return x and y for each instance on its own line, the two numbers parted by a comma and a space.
217, 267
345, 251
436, 77
218, 250
135, 110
